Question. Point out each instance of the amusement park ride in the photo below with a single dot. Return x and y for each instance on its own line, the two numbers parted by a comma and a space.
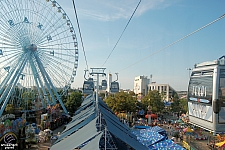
38, 53
38, 63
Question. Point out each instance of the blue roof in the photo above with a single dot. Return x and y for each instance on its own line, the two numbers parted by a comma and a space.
152, 138
141, 127
167, 104
157, 129
166, 145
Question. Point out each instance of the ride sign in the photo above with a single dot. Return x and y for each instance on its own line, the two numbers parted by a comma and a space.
9, 141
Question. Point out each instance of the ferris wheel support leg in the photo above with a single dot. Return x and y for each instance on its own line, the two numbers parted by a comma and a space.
39, 93
13, 82
63, 107
56, 93
37, 78
48, 80
6, 80
44, 74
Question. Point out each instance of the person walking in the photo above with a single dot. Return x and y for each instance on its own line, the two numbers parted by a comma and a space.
181, 138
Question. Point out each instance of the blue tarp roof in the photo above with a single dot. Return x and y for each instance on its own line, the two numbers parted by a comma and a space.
141, 127
167, 104
152, 138
148, 137
157, 129
166, 145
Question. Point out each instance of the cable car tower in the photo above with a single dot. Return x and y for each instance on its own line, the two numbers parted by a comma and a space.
97, 72
107, 141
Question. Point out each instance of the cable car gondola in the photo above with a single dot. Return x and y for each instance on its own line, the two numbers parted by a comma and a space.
88, 87
114, 87
104, 83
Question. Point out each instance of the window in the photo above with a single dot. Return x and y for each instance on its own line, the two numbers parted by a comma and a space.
200, 89
221, 94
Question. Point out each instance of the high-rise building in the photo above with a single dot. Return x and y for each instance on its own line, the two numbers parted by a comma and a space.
109, 82
141, 85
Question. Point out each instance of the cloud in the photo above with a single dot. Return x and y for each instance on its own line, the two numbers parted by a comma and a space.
117, 9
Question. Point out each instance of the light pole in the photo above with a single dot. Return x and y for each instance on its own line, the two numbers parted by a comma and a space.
189, 70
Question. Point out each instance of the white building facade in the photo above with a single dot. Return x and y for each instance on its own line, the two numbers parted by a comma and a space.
109, 80
141, 85
165, 89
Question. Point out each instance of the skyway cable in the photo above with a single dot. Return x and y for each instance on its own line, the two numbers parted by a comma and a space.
122, 33
174, 42
80, 33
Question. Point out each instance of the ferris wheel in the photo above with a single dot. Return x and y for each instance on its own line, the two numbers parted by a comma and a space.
38, 51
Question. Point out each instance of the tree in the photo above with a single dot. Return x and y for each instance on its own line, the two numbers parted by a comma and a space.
121, 102
27, 97
74, 101
154, 100
9, 108
175, 106
184, 105
102, 95
132, 93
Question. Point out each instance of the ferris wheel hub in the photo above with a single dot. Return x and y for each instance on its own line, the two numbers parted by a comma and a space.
32, 47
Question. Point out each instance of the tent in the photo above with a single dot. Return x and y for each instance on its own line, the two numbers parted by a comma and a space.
141, 127
166, 144
220, 144
148, 136
180, 121
152, 116
160, 131
188, 129
167, 104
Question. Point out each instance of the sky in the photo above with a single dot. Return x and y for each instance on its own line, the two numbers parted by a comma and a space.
144, 47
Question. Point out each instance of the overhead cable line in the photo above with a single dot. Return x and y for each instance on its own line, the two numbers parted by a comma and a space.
122, 33
174, 42
80, 33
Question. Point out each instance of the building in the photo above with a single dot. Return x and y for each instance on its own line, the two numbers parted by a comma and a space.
165, 89
182, 94
109, 82
141, 85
